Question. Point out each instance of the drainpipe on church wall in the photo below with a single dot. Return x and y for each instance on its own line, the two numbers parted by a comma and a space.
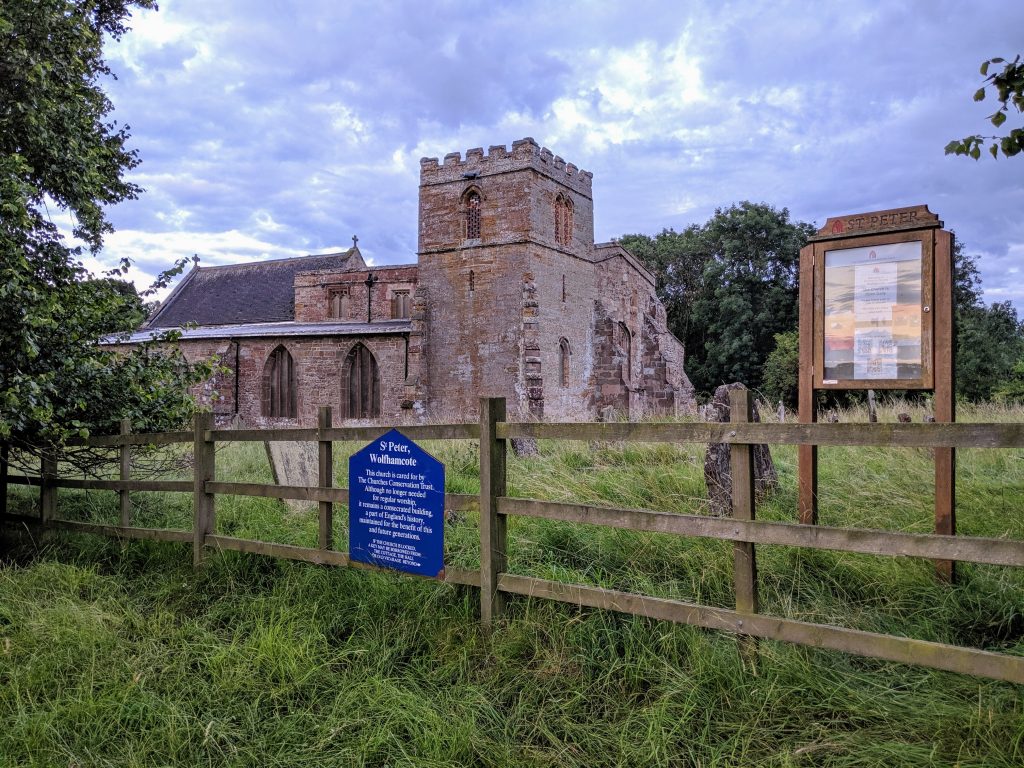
371, 280
235, 342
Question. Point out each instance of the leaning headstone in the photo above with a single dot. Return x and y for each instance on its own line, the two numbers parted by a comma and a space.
717, 474
294, 463
524, 446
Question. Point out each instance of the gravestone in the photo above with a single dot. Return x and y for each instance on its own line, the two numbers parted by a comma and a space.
525, 446
717, 474
294, 463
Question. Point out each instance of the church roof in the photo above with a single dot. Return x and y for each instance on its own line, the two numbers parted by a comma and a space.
258, 330
258, 292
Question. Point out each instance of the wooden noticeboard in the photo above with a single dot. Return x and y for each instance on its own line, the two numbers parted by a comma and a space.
876, 312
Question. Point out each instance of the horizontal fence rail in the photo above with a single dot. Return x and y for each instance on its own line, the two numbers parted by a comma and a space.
871, 542
494, 579
159, 486
152, 438
878, 435
345, 434
951, 658
123, 532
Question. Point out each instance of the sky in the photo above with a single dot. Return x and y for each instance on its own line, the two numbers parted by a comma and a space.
275, 129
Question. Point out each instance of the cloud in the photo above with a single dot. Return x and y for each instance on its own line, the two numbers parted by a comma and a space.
276, 129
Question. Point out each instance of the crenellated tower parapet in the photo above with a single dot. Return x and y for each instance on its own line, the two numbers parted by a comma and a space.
525, 154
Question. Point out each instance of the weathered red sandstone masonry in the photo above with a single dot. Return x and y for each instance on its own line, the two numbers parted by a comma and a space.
510, 298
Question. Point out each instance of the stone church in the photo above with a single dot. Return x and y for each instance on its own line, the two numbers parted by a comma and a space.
510, 297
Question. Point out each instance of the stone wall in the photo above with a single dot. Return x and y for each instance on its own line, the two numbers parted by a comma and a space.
313, 293
318, 364
652, 381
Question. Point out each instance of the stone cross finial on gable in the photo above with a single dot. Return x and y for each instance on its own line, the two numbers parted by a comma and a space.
355, 241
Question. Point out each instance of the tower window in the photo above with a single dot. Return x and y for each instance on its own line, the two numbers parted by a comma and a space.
401, 305
563, 220
472, 281
564, 355
563, 289
472, 213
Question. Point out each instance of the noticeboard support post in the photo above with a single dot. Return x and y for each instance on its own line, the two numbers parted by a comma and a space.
807, 455
945, 396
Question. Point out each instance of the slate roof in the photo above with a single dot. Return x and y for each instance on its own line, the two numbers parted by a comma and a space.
251, 330
259, 292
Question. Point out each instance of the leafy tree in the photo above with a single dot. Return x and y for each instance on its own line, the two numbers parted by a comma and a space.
1008, 85
782, 369
989, 339
133, 310
729, 286
1012, 390
989, 343
59, 147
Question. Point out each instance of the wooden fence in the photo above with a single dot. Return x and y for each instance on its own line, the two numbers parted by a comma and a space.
495, 507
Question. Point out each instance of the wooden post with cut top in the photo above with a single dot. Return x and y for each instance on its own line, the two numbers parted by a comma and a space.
125, 475
741, 468
5, 457
493, 527
47, 489
741, 461
325, 478
204, 469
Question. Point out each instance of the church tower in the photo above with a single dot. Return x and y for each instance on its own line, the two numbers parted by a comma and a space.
507, 277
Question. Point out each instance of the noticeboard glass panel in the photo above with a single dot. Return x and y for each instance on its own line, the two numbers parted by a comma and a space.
873, 327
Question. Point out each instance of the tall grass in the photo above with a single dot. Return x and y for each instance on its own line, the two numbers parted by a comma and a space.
122, 655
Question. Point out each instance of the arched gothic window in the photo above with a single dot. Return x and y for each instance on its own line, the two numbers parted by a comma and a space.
472, 214
279, 396
360, 395
564, 357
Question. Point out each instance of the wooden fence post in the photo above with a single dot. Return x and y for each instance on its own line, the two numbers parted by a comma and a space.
126, 475
5, 456
204, 468
326, 479
47, 490
493, 527
741, 461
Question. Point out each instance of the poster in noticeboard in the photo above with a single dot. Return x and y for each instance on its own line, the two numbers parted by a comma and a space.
873, 326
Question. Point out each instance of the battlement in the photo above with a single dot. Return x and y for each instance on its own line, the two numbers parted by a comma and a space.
525, 153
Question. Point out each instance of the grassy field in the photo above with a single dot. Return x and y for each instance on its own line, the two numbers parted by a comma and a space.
122, 655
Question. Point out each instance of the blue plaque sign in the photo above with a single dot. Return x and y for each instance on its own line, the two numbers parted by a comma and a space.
396, 506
